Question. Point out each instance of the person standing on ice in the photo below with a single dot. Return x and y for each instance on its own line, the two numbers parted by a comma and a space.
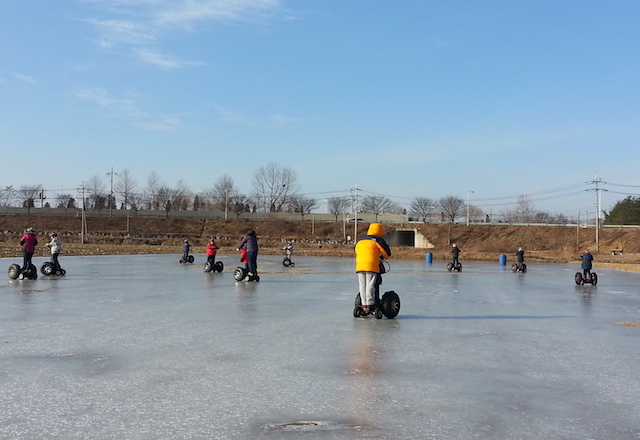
28, 243
370, 249
455, 253
251, 242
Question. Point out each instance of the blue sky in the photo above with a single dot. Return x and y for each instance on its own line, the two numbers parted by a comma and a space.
403, 98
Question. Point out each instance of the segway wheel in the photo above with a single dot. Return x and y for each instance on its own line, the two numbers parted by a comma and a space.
190, 259
218, 266
207, 267
390, 304
47, 269
459, 267
286, 262
358, 301
256, 278
63, 272
449, 267
379, 313
33, 272
594, 279
239, 273
524, 268
14, 271
578, 278
514, 267
293, 264
357, 312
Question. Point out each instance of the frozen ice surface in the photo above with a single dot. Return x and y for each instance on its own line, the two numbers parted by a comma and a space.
142, 347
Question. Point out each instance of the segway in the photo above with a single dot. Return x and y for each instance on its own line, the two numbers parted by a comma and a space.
16, 272
515, 267
582, 280
288, 263
388, 305
218, 266
457, 267
49, 268
242, 272
189, 259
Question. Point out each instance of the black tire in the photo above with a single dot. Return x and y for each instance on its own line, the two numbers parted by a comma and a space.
524, 268
48, 268
578, 278
207, 267
594, 279
239, 273
458, 268
218, 266
286, 262
379, 313
390, 304
293, 264
63, 272
357, 312
33, 272
514, 267
14, 271
190, 259
256, 278
358, 301
449, 266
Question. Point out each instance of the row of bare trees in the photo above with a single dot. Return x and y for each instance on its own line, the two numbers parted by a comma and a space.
275, 189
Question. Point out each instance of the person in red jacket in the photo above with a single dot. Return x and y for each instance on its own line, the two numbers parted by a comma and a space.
369, 250
28, 243
212, 247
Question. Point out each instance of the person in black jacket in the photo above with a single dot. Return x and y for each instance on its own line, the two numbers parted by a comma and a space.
455, 252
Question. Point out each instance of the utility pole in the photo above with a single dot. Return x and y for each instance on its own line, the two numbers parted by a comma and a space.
596, 181
355, 212
111, 174
83, 227
468, 192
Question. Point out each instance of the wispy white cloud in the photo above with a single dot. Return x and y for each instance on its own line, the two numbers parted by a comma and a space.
102, 97
163, 61
192, 11
24, 78
276, 120
144, 23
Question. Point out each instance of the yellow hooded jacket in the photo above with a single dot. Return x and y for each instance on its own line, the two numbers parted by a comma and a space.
370, 248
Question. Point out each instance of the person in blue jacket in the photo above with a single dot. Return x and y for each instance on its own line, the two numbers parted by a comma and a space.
587, 263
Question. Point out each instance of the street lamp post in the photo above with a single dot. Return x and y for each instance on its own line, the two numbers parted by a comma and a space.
468, 192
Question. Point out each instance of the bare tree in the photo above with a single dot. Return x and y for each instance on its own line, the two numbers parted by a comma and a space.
126, 188
273, 185
523, 213
176, 199
338, 205
223, 193
423, 207
376, 205
96, 193
66, 201
240, 204
153, 199
302, 205
28, 194
452, 207
7, 195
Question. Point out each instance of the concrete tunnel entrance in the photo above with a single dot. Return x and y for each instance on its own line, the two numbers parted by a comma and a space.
407, 237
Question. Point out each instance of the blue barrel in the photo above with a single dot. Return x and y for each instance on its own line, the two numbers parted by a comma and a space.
429, 257
503, 260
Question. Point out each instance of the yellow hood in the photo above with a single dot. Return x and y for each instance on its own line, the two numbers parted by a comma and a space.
375, 229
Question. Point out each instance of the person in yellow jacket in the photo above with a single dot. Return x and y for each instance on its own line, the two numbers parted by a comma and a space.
369, 250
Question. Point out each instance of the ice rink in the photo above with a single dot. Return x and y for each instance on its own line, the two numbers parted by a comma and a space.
142, 347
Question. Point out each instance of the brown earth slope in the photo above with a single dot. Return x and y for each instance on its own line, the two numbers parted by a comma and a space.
117, 235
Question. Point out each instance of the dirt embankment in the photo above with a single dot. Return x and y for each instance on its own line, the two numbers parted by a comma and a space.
138, 235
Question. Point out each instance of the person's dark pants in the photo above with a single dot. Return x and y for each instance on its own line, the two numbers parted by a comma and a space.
587, 273
26, 260
211, 259
253, 262
54, 259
